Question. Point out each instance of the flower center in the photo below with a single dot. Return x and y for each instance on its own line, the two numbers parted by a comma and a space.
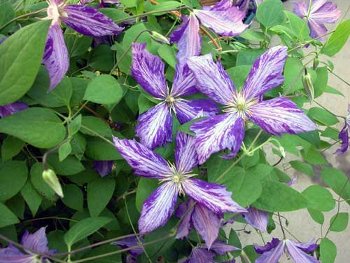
55, 12
240, 105
170, 100
177, 178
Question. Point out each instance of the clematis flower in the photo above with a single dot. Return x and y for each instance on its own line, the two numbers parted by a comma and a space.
83, 19
135, 249
202, 254
176, 179
12, 108
321, 12
154, 127
344, 135
224, 18
205, 221
226, 131
256, 218
103, 3
103, 168
35, 245
299, 252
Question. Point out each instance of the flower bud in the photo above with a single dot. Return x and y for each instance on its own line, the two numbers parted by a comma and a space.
308, 86
159, 38
315, 63
50, 177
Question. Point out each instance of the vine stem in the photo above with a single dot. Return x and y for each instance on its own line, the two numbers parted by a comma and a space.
282, 228
21, 16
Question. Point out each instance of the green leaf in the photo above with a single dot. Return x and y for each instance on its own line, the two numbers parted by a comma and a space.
316, 215
279, 197
319, 198
84, 228
239, 74
13, 176
39, 127
76, 43
104, 89
322, 116
71, 165
144, 189
302, 167
21, 55
298, 26
328, 251
74, 125
162, 6
270, 13
7, 13
7, 216
99, 193
339, 222
91, 126
97, 149
338, 39
64, 150
73, 197
293, 72
10, 147
168, 54
31, 196
338, 181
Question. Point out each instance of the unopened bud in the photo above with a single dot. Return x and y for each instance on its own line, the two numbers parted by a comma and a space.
159, 37
308, 86
315, 63
282, 151
50, 177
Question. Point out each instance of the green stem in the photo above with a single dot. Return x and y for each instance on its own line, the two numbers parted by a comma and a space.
21, 16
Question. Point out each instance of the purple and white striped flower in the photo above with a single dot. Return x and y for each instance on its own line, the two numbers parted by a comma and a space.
132, 244
103, 168
103, 3
176, 179
154, 127
224, 18
226, 131
12, 108
273, 251
35, 245
344, 135
83, 19
319, 13
257, 218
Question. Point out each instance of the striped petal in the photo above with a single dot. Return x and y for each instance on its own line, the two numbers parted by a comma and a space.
89, 21
148, 71
266, 72
12, 108
184, 212
158, 207
11, 254
55, 57
217, 133
154, 126
281, 115
222, 248
187, 38
103, 168
212, 80
184, 81
297, 254
201, 255
344, 139
206, 223
187, 110
223, 22
36, 242
144, 162
317, 30
257, 218
185, 154
213, 196
273, 255
326, 13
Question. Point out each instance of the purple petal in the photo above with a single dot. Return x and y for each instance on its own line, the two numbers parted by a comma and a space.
11, 254
213, 134
185, 154
224, 23
317, 29
184, 212
89, 21
12, 108
154, 126
281, 115
301, 9
130, 242
269, 246
184, 82
212, 80
215, 197
206, 223
187, 38
325, 12
55, 57
344, 138
307, 247
187, 110
148, 71
36, 242
145, 162
222, 248
257, 218
266, 72
103, 168
158, 207
201, 255
297, 254
273, 255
